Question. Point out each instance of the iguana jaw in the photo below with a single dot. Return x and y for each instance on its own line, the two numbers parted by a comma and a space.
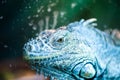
38, 56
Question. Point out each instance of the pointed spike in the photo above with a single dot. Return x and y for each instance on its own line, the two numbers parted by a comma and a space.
89, 21
81, 21
94, 24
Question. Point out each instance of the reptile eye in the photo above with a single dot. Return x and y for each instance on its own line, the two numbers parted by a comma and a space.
60, 40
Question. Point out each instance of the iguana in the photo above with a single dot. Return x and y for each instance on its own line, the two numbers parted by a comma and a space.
77, 51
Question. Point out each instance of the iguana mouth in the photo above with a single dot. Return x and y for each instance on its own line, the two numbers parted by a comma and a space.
38, 56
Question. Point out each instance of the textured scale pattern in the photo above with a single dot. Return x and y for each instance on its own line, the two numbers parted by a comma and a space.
77, 51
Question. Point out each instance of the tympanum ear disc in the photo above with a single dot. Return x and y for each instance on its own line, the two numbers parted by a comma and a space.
88, 71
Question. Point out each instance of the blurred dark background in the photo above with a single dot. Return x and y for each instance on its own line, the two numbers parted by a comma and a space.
21, 20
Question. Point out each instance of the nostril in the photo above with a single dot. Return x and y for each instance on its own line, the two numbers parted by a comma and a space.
29, 47
33, 45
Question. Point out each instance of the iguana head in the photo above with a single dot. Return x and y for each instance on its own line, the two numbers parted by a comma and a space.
71, 49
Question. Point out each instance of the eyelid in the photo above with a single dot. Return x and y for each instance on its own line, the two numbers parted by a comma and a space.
60, 38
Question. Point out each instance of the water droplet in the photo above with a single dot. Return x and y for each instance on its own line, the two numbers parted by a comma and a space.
5, 46
1, 17
34, 28
73, 5
36, 15
29, 7
49, 9
62, 14
10, 65
30, 23
28, 17
4, 1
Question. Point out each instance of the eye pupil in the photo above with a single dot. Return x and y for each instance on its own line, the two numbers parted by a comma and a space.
60, 40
